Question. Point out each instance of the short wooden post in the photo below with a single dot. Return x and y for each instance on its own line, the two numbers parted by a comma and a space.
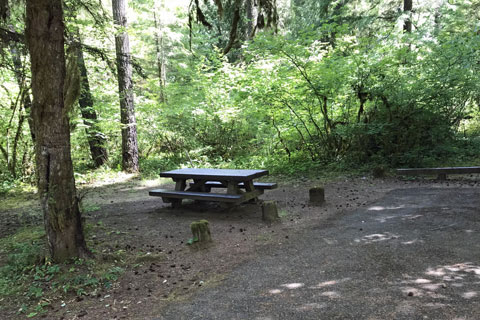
317, 195
201, 231
269, 211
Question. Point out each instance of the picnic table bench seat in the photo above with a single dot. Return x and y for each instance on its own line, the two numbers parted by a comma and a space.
168, 194
257, 185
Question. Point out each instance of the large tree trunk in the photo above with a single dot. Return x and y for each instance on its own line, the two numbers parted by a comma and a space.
96, 139
56, 184
125, 87
407, 9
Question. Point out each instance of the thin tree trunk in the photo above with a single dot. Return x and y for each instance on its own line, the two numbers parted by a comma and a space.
56, 184
407, 9
125, 88
96, 139
251, 18
20, 77
12, 165
234, 27
159, 44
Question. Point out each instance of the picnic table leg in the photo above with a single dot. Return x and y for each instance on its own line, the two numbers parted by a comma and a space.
199, 184
232, 188
180, 185
249, 187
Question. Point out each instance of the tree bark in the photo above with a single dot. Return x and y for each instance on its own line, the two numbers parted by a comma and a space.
234, 27
407, 9
56, 184
251, 18
96, 139
125, 88
159, 43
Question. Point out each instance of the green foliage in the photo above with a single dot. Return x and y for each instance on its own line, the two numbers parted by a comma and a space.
339, 84
27, 275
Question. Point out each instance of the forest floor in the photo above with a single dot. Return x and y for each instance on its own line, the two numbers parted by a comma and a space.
148, 239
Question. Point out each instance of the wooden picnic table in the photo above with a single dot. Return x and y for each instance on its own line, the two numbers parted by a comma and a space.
239, 185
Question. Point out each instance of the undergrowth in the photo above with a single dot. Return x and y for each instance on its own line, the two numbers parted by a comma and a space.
29, 279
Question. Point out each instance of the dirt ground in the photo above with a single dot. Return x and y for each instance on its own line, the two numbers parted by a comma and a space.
166, 269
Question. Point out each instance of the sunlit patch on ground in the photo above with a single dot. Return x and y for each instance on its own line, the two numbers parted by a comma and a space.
311, 306
331, 294
470, 294
443, 281
384, 219
412, 217
275, 291
380, 208
329, 283
377, 237
292, 286
413, 241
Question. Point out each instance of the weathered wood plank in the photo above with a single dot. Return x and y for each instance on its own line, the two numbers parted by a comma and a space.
442, 171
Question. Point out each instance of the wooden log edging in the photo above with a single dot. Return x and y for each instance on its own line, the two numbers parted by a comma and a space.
441, 172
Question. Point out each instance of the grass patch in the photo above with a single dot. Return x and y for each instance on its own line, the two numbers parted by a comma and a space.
282, 213
30, 282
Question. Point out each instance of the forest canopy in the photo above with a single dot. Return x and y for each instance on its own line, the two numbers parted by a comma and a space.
277, 84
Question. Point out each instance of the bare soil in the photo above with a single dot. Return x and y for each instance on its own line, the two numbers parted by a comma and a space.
149, 239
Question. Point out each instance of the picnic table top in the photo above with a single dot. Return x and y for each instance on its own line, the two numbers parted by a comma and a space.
214, 174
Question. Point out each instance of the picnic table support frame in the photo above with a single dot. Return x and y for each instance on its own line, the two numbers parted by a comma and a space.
180, 185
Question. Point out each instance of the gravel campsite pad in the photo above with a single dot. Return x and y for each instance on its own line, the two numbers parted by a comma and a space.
377, 249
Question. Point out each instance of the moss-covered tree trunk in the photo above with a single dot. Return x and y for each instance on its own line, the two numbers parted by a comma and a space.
125, 88
56, 184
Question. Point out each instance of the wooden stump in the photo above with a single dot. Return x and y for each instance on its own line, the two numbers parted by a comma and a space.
317, 195
201, 231
269, 211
